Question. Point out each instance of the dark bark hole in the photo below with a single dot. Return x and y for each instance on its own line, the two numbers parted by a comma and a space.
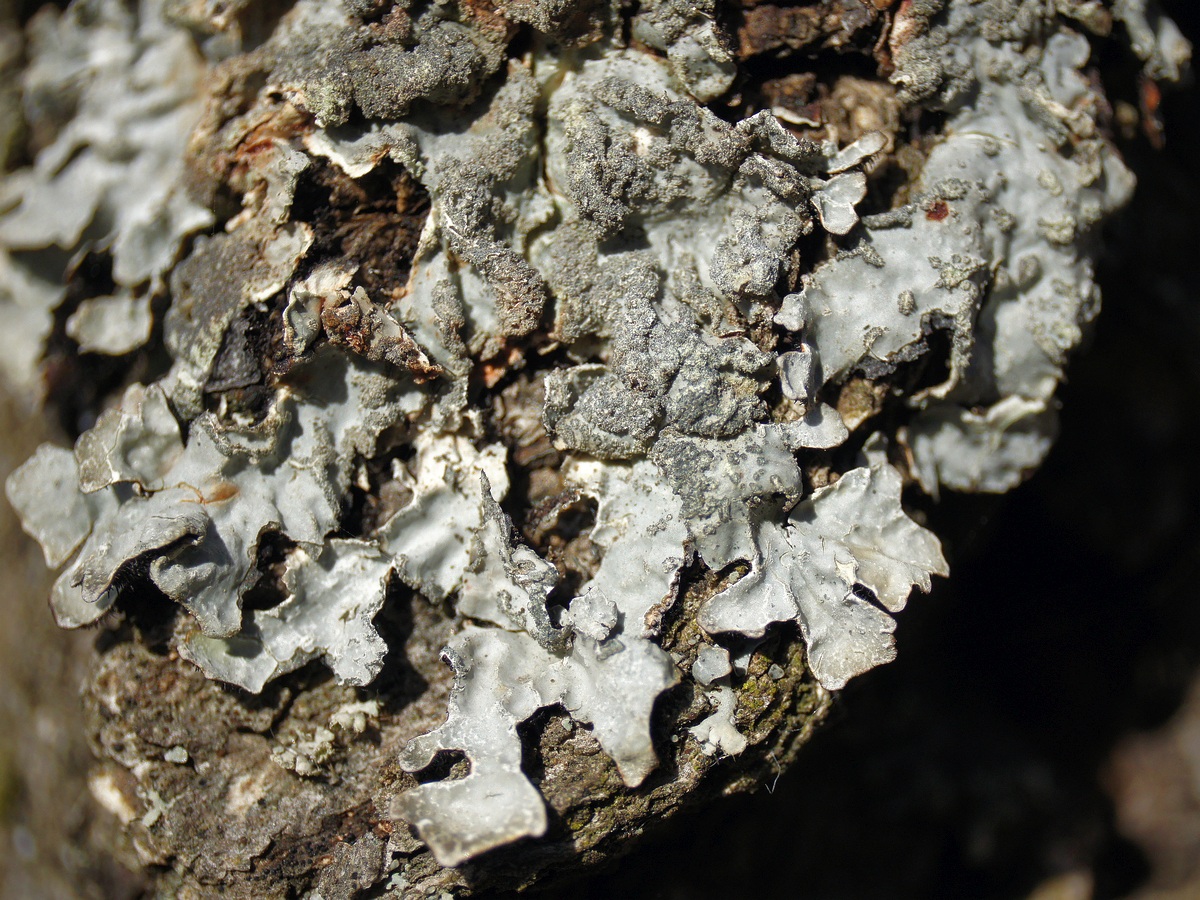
373, 223
447, 765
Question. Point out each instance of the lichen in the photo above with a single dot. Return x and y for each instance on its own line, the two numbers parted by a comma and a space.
717, 363
996, 250
851, 533
118, 92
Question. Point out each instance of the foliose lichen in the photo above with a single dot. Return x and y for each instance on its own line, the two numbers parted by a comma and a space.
113, 93
618, 309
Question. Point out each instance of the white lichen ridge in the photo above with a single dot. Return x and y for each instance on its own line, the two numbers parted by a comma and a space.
592, 189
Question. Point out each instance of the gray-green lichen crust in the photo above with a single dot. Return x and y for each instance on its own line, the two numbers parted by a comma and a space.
671, 305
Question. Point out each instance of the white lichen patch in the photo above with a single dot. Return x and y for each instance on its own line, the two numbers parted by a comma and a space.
200, 509
718, 732
156, 806
430, 538
996, 249
712, 663
112, 325
608, 673
112, 796
306, 755
356, 717
28, 296
501, 679
990, 452
328, 614
62, 524
137, 442
507, 583
640, 528
112, 178
851, 533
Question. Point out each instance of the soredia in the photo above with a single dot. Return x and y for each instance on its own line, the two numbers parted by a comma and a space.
596, 301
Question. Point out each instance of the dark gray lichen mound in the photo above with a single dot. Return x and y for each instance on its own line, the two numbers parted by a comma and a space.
538, 338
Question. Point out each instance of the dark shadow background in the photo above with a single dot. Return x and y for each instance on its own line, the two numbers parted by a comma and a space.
978, 765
